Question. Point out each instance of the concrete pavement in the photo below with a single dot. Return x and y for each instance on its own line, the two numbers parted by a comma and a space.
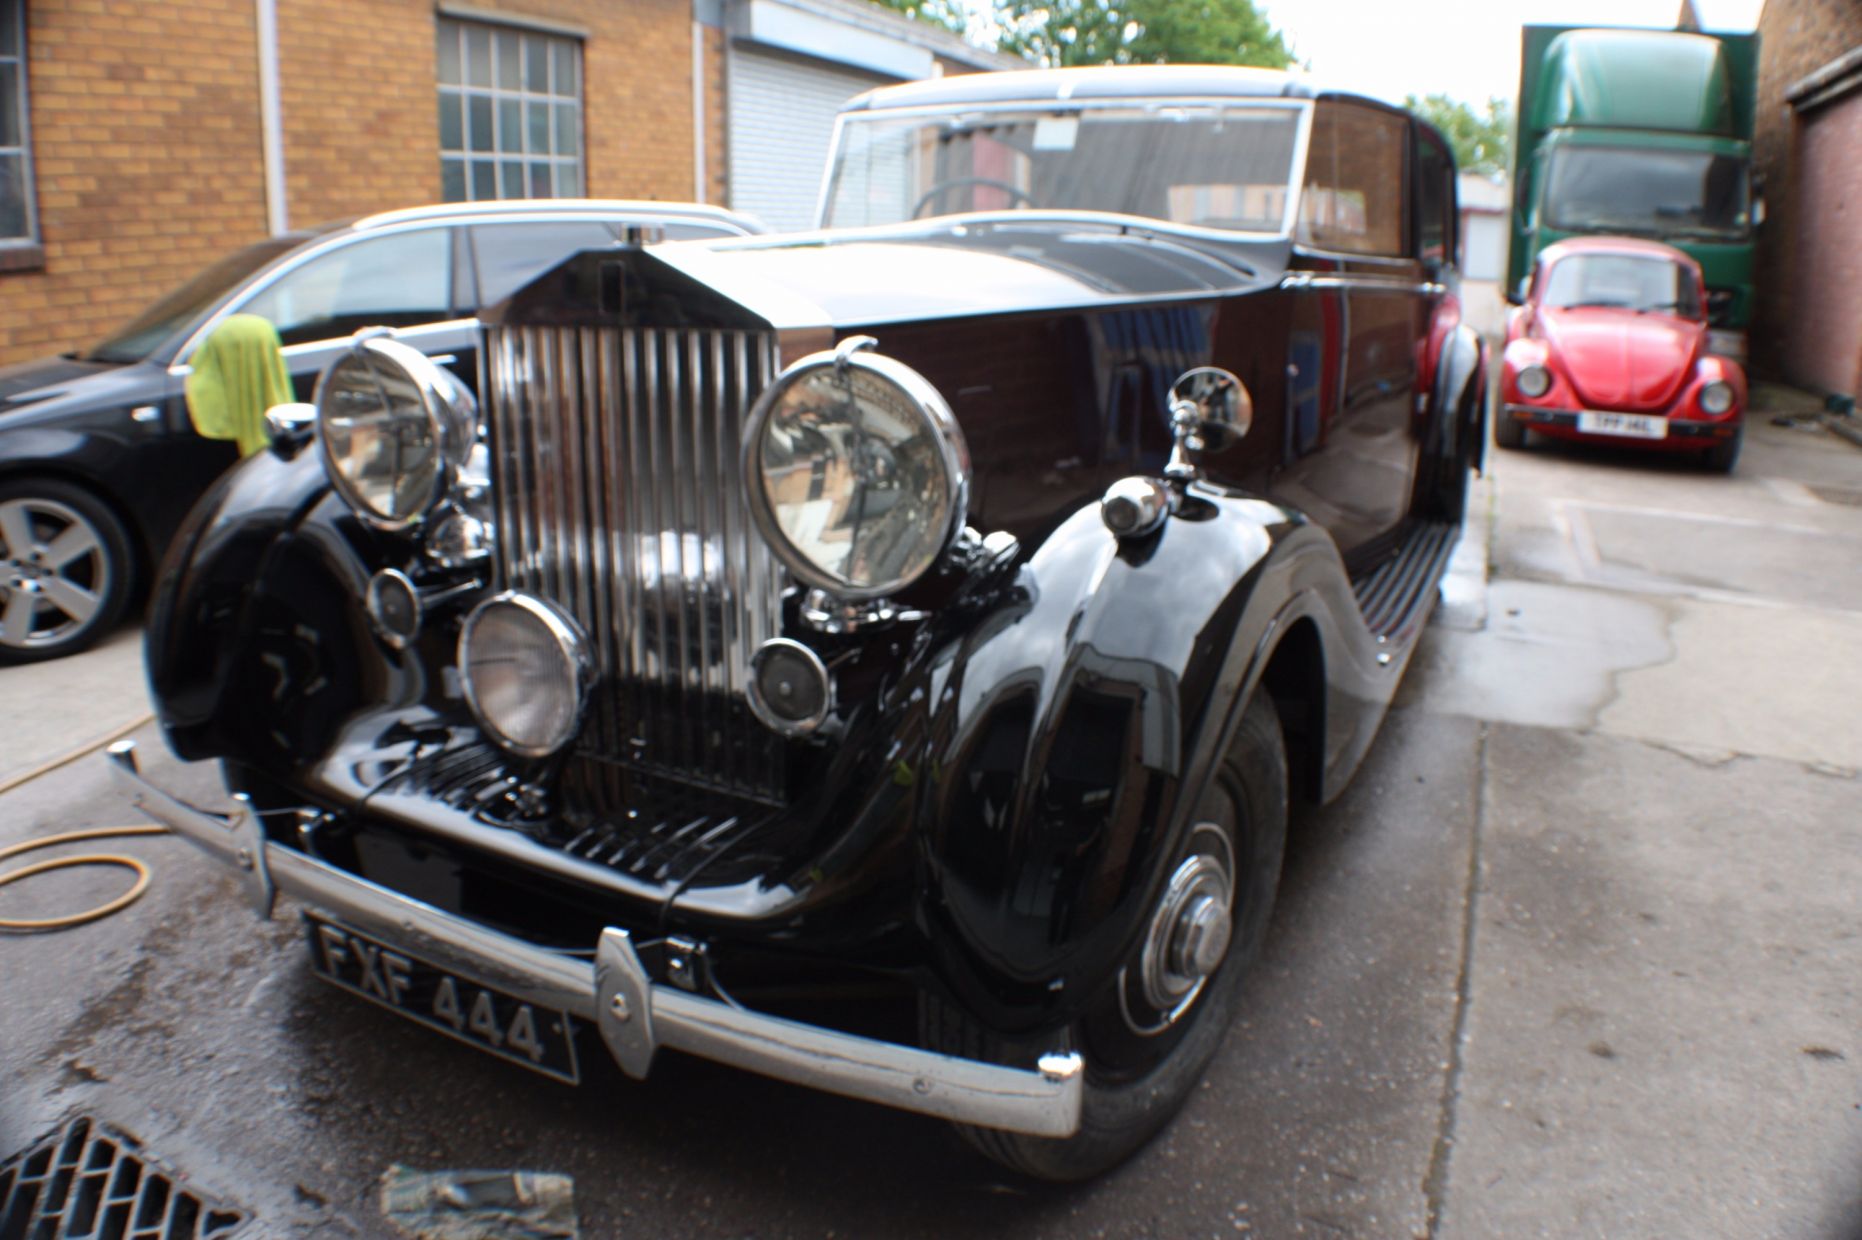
1576, 955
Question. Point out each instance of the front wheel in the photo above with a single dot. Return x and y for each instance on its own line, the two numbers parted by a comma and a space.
64, 569
1148, 1035
1508, 432
1723, 456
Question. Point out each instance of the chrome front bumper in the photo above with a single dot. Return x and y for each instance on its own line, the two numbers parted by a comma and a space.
636, 1015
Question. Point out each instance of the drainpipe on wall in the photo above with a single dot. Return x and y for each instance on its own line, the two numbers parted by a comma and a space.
698, 112
271, 118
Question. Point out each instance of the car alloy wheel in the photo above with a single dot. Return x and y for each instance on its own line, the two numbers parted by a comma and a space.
64, 570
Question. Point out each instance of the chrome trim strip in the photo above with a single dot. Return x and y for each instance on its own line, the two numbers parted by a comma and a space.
1299, 280
636, 1015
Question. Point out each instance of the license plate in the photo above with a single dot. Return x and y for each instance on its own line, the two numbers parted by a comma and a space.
1629, 425
461, 1007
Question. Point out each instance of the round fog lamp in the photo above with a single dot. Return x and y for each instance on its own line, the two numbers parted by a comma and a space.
1717, 397
1534, 382
526, 671
789, 687
393, 608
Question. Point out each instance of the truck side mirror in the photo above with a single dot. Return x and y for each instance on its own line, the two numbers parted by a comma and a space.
1758, 213
1517, 296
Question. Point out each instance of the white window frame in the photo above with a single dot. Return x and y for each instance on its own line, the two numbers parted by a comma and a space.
566, 171
14, 11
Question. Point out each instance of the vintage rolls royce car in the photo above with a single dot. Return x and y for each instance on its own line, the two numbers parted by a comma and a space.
1611, 345
941, 608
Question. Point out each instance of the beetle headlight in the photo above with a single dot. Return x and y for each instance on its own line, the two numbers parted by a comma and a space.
858, 476
526, 671
1534, 381
1717, 397
393, 426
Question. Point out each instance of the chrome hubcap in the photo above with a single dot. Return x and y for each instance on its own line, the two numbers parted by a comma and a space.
54, 572
1189, 933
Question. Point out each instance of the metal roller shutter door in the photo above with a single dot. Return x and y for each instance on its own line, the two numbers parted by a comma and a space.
781, 121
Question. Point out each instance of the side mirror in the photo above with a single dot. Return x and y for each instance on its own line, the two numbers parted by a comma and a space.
1517, 296
1209, 409
1758, 213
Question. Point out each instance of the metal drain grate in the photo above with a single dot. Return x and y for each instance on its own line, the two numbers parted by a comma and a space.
90, 1182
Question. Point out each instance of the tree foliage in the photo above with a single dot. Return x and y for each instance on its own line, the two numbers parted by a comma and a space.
1064, 33
948, 14
1480, 140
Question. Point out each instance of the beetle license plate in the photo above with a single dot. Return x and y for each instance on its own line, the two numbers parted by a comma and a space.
461, 1007
1628, 425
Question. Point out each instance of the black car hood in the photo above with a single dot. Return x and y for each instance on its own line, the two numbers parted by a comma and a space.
948, 268
75, 383
47, 377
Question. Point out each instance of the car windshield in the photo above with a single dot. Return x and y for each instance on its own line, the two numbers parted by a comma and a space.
1624, 281
1654, 193
168, 316
1207, 165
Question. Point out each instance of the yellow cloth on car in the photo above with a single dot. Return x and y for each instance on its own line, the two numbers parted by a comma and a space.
238, 374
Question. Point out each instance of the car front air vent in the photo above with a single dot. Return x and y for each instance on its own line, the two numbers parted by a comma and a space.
88, 1181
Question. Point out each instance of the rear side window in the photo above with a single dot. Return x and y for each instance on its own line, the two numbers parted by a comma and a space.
400, 280
509, 256
1435, 201
1352, 199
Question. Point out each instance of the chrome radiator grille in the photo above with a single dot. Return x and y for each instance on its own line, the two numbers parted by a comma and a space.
617, 480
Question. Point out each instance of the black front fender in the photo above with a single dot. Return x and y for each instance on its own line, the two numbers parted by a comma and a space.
1072, 733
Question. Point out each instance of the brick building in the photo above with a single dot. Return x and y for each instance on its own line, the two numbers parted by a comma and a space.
141, 141
1808, 151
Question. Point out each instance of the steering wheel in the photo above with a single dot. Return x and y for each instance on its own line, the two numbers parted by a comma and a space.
931, 195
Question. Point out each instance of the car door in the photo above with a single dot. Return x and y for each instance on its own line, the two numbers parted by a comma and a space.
1357, 317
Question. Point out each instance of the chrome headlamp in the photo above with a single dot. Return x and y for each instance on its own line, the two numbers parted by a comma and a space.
393, 427
1534, 382
858, 475
526, 670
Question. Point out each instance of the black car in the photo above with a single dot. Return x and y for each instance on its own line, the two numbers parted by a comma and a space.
942, 610
98, 460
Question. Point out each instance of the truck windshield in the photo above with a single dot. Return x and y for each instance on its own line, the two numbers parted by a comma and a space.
1622, 281
1671, 194
1205, 165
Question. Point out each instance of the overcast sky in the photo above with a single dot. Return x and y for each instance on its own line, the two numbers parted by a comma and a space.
1467, 49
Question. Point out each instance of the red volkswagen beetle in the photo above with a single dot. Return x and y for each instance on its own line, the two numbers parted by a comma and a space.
1610, 346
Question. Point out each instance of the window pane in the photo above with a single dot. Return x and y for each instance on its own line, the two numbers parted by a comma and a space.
510, 255
1353, 196
484, 180
478, 56
452, 180
565, 67
508, 77
398, 280
452, 121
449, 53
539, 180
536, 65
511, 179
9, 99
566, 126
480, 108
539, 116
12, 196
11, 15
568, 181
510, 125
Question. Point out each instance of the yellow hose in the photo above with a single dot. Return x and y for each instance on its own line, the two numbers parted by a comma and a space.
60, 863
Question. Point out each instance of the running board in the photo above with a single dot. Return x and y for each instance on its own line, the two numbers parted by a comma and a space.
1396, 598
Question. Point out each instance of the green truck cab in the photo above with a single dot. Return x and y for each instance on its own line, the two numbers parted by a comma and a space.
1641, 133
